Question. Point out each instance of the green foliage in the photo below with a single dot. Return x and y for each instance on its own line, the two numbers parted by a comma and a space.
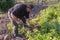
49, 20
30, 1
21, 30
11, 28
6, 4
1, 12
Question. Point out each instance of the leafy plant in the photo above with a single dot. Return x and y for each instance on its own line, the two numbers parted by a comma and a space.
49, 20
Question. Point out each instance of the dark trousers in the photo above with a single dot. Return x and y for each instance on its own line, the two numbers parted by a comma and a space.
15, 24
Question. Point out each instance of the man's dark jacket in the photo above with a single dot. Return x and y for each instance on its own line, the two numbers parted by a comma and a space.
19, 10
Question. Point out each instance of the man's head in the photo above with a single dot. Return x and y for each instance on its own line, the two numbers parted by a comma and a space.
29, 7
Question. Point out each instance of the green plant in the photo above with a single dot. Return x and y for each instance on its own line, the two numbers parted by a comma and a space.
6, 4
11, 28
49, 20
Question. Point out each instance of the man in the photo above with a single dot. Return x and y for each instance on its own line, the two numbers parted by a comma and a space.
19, 11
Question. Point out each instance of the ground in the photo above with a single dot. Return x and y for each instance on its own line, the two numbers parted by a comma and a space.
3, 24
